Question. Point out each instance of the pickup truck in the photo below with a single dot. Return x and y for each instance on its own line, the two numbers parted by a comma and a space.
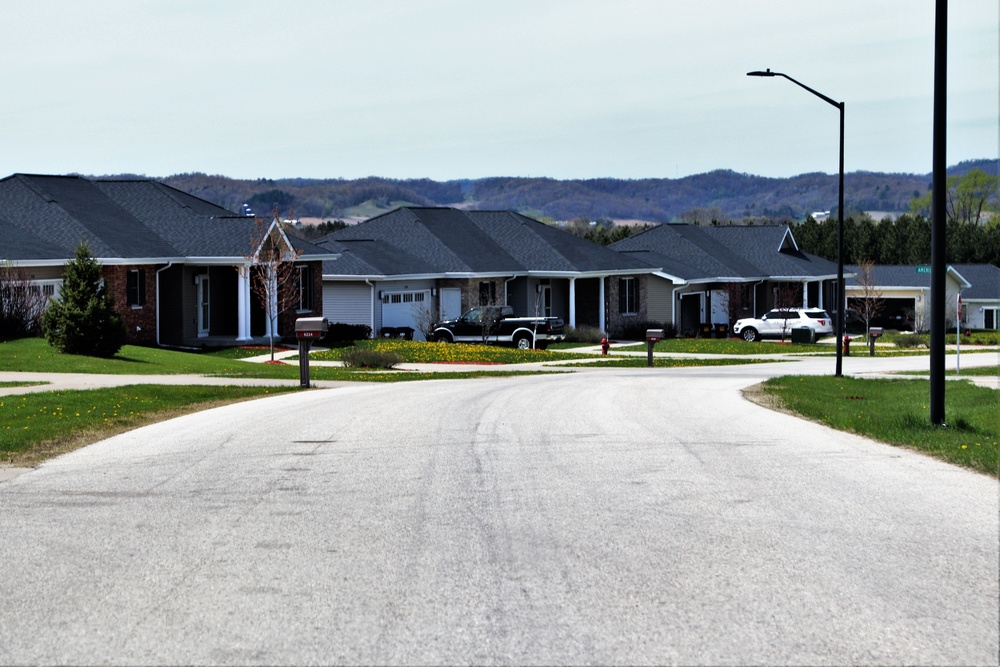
497, 324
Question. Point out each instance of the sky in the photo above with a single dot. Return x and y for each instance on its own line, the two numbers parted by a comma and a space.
451, 89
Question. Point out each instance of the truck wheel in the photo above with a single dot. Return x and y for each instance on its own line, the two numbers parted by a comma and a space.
523, 342
749, 334
442, 338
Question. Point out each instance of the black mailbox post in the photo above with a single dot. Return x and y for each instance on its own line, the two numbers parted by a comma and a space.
308, 329
873, 334
652, 335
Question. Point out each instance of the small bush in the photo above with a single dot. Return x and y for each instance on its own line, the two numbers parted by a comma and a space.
21, 303
911, 341
362, 358
584, 334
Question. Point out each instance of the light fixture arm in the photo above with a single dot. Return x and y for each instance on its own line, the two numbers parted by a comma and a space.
841, 298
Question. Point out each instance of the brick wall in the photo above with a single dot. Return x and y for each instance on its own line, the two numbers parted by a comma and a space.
617, 322
140, 321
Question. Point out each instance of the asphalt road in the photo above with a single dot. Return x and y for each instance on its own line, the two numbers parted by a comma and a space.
645, 516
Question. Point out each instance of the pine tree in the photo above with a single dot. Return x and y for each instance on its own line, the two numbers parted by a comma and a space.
82, 319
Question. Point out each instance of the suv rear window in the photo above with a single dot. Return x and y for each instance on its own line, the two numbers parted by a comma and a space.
817, 314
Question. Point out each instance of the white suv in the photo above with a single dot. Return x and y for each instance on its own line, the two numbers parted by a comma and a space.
780, 322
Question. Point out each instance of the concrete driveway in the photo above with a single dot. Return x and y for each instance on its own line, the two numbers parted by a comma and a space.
644, 516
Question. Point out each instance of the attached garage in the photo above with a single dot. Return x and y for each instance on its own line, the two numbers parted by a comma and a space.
406, 309
347, 302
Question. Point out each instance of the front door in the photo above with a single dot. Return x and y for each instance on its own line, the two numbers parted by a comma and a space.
203, 305
546, 295
451, 303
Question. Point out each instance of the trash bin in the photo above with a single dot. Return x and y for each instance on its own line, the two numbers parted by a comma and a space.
802, 335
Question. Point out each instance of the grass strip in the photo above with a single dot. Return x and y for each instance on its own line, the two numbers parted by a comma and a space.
36, 426
667, 362
896, 412
20, 383
727, 346
34, 354
423, 352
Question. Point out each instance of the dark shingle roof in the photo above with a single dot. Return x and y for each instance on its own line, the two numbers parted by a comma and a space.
435, 241
46, 217
703, 253
985, 279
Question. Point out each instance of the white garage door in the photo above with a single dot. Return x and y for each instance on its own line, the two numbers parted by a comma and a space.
405, 309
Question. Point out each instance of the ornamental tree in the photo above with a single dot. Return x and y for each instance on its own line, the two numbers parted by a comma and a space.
82, 319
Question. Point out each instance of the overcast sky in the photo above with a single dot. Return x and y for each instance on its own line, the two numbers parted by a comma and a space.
450, 89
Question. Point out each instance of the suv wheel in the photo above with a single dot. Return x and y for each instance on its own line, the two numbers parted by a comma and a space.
749, 334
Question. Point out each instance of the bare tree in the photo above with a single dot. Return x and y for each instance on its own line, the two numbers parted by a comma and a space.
870, 304
786, 297
271, 269
490, 309
735, 300
22, 303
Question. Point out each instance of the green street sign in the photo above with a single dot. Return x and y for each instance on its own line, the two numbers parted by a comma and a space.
923, 269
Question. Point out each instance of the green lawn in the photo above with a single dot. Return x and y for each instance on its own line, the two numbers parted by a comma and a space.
896, 412
34, 354
36, 426
727, 346
665, 362
421, 352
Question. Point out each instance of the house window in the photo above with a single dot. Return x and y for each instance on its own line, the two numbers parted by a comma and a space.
305, 288
628, 296
135, 288
487, 293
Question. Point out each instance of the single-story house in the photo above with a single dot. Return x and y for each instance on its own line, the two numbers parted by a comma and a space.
905, 291
415, 265
180, 269
713, 275
981, 300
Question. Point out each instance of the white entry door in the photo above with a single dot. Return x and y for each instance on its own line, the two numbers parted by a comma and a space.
451, 303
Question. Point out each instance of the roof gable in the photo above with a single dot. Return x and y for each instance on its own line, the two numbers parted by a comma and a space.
727, 252
437, 241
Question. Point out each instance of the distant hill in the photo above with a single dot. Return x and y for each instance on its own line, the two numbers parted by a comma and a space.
721, 194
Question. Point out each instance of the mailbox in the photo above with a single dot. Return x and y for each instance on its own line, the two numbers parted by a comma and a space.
308, 329
652, 335
311, 327
873, 334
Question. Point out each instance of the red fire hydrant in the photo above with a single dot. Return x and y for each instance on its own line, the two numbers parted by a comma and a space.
847, 345
604, 346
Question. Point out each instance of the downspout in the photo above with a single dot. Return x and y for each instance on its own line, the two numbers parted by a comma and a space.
506, 302
371, 302
169, 264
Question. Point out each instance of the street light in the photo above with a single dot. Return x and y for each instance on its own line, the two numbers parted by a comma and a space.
841, 301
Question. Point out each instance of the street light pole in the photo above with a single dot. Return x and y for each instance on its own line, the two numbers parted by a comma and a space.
841, 300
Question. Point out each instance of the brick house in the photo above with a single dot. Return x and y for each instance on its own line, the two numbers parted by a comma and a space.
181, 270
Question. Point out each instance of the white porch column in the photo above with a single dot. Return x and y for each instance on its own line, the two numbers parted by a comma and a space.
572, 302
601, 307
243, 306
805, 294
272, 324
